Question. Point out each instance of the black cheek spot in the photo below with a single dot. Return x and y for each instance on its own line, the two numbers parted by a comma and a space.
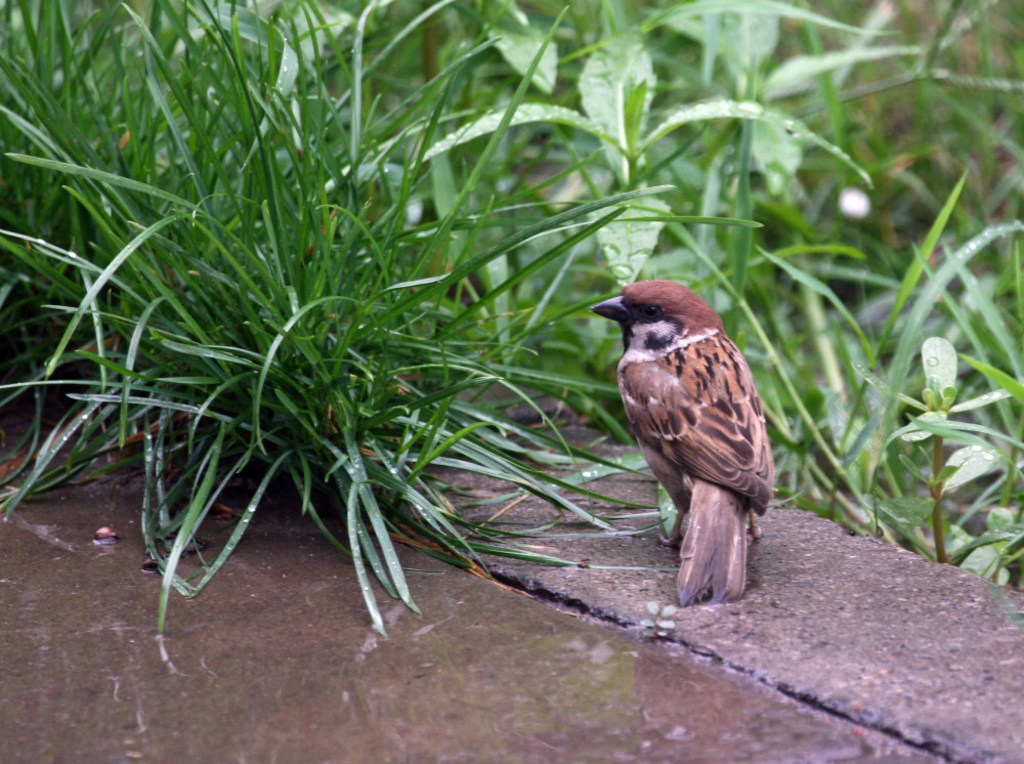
656, 341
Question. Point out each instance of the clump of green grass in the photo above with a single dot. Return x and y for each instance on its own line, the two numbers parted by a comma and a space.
246, 285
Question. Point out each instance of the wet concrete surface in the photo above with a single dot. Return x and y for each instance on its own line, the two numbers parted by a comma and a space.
276, 662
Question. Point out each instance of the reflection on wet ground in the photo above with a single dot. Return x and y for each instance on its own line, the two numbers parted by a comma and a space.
276, 662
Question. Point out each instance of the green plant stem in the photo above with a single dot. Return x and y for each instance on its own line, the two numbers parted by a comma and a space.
431, 46
936, 491
818, 322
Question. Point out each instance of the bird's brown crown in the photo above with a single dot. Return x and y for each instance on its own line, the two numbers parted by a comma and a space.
676, 300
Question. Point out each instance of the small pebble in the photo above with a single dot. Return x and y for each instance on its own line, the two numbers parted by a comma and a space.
105, 535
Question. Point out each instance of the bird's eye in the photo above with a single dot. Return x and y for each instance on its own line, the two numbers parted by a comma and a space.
651, 312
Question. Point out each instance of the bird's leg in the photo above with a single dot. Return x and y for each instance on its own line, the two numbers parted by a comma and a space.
755, 529
674, 539
681, 498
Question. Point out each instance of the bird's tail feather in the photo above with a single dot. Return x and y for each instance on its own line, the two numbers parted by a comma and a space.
713, 556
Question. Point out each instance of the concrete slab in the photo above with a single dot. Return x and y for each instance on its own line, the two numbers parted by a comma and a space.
860, 628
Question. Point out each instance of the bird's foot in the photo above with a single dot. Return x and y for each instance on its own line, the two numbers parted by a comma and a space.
755, 529
674, 541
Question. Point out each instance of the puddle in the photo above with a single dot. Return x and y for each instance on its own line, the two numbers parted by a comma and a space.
276, 662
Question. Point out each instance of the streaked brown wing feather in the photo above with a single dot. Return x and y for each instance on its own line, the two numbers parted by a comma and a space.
708, 421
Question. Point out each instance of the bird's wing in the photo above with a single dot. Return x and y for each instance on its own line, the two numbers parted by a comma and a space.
701, 410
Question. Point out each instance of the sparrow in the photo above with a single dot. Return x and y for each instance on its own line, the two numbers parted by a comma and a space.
697, 417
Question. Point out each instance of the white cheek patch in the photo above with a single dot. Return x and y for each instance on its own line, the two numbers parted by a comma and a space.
638, 353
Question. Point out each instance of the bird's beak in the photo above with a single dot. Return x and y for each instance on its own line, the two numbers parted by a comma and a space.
615, 309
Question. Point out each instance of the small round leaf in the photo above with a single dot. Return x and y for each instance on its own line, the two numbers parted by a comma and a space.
938, 356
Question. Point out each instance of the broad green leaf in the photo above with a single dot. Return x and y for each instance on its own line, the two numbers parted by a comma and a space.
526, 113
753, 37
777, 153
802, 71
904, 512
725, 108
519, 45
1003, 536
984, 560
608, 82
681, 11
740, 40
627, 242
971, 462
1000, 519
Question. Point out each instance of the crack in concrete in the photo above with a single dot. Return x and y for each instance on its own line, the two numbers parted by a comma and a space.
946, 750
